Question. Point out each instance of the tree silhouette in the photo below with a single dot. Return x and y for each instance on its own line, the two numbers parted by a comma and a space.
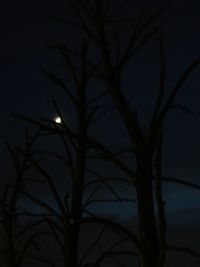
110, 35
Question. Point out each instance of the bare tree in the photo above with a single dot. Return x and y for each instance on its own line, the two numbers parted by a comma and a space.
103, 22
19, 241
65, 222
109, 41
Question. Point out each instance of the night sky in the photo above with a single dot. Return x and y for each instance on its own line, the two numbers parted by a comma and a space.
25, 29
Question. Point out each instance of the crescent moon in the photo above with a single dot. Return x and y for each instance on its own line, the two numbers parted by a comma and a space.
58, 120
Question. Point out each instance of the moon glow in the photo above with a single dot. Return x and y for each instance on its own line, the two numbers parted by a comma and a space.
58, 120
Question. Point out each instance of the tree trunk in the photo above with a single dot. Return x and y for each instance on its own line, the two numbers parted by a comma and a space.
71, 240
73, 230
146, 215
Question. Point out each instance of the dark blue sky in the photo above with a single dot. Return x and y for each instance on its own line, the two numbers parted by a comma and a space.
25, 30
